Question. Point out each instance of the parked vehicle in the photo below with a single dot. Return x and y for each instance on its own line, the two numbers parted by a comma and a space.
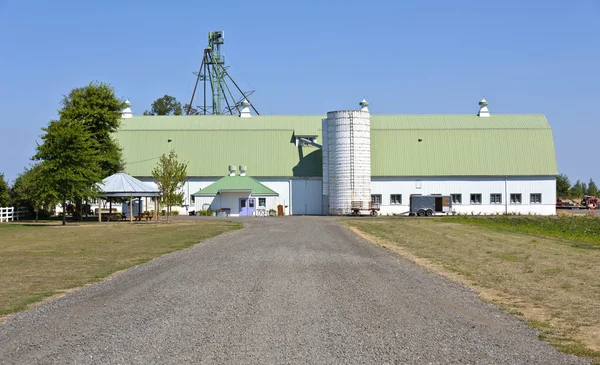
373, 207
590, 202
427, 205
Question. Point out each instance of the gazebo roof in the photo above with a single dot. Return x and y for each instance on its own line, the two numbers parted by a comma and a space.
123, 185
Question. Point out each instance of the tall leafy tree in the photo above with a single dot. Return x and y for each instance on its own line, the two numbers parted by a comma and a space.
576, 190
96, 106
32, 190
562, 185
170, 175
167, 105
4, 192
70, 160
592, 189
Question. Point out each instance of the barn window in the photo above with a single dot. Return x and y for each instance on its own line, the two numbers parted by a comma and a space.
495, 198
192, 199
376, 198
396, 199
262, 202
535, 199
456, 198
475, 198
515, 199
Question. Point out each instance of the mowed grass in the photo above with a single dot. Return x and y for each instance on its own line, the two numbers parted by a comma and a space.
38, 261
571, 227
554, 283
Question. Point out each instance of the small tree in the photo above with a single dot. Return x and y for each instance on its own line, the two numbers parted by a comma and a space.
576, 190
31, 190
592, 189
170, 175
4, 192
562, 185
190, 110
70, 161
167, 105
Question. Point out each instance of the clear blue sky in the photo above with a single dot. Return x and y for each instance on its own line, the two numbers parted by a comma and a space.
310, 57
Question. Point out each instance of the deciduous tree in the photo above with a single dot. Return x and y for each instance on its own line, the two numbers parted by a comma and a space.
592, 189
576, 190
167, 105
190, 110
4, 192
31, 190
562, 185
170, 175
96, 106
70, 160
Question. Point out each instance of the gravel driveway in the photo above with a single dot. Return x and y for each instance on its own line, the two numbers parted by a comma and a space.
293, 290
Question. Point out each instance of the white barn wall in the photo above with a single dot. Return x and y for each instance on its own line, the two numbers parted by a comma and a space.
306, 194
467, 186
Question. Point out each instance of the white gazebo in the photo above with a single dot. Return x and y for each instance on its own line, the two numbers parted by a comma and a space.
121, 185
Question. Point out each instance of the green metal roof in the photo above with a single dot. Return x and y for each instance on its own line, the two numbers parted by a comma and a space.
452, 145
236, 183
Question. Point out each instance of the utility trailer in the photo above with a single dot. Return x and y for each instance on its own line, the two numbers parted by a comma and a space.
428, 205
359, 205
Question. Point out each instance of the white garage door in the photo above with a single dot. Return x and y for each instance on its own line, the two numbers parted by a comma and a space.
307, 197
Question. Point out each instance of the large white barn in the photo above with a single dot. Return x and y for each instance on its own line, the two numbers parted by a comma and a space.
486, 163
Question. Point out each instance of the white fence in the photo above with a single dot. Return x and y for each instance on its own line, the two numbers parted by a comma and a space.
9, 214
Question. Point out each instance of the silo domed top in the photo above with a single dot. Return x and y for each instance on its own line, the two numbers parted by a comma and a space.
483, 102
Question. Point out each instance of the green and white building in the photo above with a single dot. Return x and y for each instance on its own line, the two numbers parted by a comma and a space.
488, 163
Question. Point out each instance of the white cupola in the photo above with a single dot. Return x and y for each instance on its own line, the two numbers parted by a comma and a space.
364, 105
483, 109
245, 113
127, 113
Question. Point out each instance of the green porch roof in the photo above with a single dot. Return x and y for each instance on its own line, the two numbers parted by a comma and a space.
235, 184
451, 145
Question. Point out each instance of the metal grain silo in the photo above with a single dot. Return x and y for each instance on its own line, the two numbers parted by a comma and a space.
349, 159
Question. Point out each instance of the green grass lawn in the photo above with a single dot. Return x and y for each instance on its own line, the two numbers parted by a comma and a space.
38, 261
570, 227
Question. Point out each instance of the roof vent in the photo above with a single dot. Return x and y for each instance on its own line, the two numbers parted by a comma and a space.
364, 104
126, 113
243, 170
245, 113
231, 170
483, 110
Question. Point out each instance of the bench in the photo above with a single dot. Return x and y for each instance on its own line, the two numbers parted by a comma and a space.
145, 215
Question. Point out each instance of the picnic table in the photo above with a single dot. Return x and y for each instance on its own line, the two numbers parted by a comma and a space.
145, 215
112, 217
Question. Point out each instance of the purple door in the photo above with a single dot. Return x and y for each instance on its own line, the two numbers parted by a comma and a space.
247, 206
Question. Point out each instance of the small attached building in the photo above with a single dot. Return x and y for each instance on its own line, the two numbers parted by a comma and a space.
237, 195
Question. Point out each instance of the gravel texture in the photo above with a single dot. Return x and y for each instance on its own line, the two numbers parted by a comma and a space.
292, 290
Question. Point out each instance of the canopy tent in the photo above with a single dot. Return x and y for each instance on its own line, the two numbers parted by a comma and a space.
234, 184
121, 185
